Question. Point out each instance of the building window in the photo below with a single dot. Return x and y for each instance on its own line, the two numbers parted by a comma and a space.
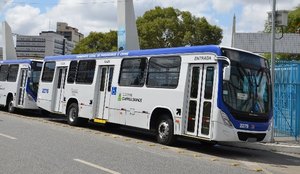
72, 71
85, 71
12, 73
48, 72
3, 72
133, 72
163, 72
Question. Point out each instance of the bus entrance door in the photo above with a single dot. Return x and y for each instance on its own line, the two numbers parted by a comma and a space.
201, 87
104, 93
62, 71
24, 75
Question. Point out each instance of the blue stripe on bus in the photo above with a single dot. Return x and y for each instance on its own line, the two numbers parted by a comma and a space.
29, 90
16, 61
160, 51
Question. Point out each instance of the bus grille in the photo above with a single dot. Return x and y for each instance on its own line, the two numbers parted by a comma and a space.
243, 136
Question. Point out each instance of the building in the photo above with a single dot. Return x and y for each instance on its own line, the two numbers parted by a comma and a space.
70, 33
48, 43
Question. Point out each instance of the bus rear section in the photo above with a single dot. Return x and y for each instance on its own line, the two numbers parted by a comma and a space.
19, 81
67, 87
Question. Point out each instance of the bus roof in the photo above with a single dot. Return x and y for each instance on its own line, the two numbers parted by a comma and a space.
160, 51
17, 61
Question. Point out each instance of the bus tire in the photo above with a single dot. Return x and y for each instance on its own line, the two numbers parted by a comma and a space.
165, 130
10, 105
72, 114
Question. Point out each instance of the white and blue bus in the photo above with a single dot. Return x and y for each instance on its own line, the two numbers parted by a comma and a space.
211, 93
19, 81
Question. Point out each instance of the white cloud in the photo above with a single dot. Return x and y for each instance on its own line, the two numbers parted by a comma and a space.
90, 15
224, 6
28, 23
254, 14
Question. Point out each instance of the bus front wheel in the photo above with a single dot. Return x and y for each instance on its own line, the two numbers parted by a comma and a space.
165, 130
72, 114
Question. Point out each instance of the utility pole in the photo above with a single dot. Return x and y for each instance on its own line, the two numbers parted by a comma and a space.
273, 63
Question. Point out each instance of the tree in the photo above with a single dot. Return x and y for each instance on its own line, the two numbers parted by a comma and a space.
158, 28
293, 27
97, 42
169, 27
294, 21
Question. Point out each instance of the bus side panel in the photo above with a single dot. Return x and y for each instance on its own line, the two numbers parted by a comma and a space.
5, 89
138, 104
3, 93
84, 96
45, 96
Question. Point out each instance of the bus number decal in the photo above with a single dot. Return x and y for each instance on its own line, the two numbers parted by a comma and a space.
244, 126
44, 90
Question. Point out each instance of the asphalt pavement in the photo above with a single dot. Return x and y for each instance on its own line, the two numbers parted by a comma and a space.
35, 144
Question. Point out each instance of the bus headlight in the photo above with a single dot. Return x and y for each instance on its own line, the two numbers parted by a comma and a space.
226, 120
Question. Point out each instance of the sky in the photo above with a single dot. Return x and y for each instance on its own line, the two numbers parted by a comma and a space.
30, 17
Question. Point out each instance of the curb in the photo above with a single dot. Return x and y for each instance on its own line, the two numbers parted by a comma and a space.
273, 147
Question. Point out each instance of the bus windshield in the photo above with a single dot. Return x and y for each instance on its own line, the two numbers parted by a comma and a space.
36, 68
248, 90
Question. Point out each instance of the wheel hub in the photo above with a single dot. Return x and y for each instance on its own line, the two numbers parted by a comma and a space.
163, 130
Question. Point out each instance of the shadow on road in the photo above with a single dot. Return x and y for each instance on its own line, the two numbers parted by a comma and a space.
226, 152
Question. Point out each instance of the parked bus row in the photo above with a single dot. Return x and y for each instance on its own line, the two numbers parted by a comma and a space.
210, 93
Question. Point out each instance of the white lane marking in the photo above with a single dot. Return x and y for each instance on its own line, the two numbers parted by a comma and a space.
96, 166
7, 136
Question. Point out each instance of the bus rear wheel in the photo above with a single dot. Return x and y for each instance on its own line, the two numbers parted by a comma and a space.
10, 106
165, 131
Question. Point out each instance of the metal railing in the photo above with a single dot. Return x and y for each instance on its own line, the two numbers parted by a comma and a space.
287, 99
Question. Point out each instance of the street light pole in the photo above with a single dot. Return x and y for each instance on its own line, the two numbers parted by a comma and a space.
273, 63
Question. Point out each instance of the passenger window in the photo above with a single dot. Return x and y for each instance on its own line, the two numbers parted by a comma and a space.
3, 72
163, 72
48, 72
209, 81
103, 76
85, 71
72, 72
111, 72
12, 73
133, 72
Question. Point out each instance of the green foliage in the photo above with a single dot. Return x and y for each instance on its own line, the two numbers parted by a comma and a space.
169, 27
97, 42
294, 21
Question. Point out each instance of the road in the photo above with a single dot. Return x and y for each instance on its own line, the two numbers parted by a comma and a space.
35, 144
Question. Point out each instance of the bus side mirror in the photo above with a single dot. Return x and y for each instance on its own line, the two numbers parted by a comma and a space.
226, 73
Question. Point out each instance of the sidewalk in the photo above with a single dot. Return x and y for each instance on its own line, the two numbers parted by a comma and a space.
281, 144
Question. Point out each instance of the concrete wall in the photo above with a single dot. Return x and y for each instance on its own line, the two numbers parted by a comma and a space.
261, 42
